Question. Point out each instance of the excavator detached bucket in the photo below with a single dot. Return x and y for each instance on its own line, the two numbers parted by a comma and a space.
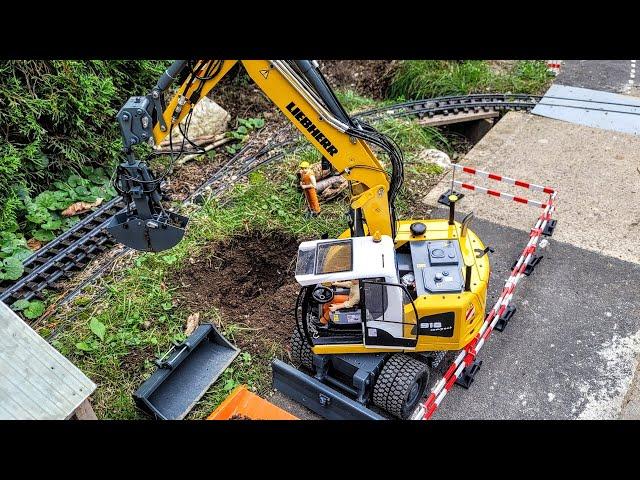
186, 373
148, 235
241, 404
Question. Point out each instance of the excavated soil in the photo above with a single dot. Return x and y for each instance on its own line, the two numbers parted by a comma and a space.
250, 279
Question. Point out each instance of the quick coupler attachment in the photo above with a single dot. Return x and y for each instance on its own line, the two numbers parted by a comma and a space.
160, 232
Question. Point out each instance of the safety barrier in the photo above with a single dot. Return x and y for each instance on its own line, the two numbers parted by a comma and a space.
502, 178
496, 193
468, 354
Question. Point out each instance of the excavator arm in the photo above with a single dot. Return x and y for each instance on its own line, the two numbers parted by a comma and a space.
300, 91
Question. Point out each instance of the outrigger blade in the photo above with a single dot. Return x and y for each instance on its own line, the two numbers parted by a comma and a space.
160, 232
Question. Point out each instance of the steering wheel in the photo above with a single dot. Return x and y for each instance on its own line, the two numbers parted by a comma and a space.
322, 294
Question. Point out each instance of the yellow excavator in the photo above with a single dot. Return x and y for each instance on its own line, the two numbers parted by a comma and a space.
378, 306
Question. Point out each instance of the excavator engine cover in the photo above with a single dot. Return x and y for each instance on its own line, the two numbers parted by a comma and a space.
155, 234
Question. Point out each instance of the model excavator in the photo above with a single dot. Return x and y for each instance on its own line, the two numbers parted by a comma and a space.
380, 304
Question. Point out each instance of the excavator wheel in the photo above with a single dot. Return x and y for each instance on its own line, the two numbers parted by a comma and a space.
301, 354
400, 385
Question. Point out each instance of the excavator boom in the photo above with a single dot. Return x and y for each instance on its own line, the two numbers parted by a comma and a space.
300, 91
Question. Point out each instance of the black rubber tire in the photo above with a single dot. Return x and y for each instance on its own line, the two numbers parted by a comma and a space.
301, 354
397, 382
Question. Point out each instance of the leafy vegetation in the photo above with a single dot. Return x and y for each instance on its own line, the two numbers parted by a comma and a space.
434, 78
30, 308
245, 126
57, 118
42, 219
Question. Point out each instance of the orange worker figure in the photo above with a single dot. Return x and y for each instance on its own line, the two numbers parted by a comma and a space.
342, 301
308, 184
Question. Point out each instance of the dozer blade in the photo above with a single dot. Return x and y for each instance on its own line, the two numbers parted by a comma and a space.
148, 235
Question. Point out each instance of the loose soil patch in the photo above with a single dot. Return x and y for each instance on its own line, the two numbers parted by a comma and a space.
250, 279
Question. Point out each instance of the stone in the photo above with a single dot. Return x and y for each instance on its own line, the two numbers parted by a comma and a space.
208, 119
433, 155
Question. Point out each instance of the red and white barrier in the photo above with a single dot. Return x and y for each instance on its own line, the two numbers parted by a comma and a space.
468, 354
554, 66
496, 193
502, 178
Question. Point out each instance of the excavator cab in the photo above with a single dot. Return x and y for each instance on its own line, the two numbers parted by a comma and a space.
359, 278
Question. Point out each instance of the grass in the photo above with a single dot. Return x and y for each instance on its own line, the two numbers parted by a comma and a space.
434, 78
410, 136
117, 333
353, 103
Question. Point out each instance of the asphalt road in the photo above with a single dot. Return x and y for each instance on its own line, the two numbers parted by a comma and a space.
569, 350
607, 75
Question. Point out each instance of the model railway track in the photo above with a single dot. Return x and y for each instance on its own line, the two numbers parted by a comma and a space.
452, 105
71, 251
75, 248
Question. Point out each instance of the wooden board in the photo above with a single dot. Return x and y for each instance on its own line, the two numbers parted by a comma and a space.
456, 118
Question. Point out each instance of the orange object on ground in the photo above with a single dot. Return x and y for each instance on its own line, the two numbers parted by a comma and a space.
310, 193
325, 308
244, 405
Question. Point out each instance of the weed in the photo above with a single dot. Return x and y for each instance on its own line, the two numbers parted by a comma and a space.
410, 136
352, 102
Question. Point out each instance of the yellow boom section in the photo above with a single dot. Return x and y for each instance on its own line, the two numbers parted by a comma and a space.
350, 156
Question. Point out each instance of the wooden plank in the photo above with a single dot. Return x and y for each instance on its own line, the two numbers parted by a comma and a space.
85, 411
36, 381
456, 118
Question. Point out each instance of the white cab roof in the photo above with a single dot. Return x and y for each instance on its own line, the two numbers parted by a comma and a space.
368, 259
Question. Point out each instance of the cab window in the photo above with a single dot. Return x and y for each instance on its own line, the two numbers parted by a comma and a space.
334, 257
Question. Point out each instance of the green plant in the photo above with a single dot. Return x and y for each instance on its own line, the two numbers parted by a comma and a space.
245, 126
42, 214
31, 309
352, 102
13, 250
433, 78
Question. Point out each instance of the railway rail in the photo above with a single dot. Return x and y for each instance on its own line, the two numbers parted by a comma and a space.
78, 246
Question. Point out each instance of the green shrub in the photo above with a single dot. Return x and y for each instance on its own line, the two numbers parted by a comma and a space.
56, 117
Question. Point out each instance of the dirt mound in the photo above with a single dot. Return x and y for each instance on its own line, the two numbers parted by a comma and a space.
250, 279
370, 78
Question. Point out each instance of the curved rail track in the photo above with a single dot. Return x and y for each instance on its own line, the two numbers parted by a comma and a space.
76, 247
